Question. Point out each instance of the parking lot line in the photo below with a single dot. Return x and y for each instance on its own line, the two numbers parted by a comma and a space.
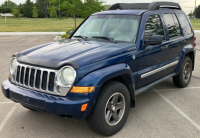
178, 110
3, 123
182, 89
6, 102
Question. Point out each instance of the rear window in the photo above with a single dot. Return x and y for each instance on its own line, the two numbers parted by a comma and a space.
185, 24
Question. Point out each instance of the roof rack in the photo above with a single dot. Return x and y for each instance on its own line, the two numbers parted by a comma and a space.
149, 6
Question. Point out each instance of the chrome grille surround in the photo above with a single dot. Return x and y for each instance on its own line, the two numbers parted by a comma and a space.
56, 84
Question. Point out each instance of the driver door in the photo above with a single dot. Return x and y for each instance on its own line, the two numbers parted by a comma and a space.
152, 58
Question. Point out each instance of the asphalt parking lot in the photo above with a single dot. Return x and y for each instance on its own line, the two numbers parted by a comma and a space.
163, 111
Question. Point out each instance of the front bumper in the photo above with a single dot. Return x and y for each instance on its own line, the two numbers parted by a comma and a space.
65, 107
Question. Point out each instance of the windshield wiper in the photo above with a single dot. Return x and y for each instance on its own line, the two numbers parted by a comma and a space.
83, 37
106, 38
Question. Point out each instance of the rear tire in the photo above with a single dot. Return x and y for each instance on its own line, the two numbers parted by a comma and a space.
111, 109
183, 78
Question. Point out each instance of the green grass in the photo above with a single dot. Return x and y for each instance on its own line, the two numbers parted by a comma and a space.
37, 25
195, 24
48, 24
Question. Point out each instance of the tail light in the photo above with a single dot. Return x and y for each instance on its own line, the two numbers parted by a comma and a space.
195, 38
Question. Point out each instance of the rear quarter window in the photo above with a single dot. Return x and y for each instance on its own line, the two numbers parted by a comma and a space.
185, 24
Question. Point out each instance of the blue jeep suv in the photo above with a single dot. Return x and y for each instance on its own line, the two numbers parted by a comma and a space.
110, 58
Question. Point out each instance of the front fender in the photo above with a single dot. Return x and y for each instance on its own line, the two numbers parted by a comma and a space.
99, 77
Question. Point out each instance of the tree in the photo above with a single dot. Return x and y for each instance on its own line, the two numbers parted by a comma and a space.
69, 7
28, 8
15, 13
198, 12
35, 12
190, 14
9, 4
92, 6
53, 14
40, 6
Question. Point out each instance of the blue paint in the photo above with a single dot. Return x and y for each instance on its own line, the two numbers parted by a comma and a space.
99, 62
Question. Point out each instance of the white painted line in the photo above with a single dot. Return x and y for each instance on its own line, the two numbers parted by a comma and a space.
21, 39
179, 89
179, 111
3, 123
6, 102
197, 61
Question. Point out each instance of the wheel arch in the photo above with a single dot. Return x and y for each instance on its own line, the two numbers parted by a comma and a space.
119, 72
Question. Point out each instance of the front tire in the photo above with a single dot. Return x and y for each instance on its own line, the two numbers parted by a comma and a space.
111, 109
183, 78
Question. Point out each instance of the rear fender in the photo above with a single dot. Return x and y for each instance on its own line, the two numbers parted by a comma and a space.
185, 50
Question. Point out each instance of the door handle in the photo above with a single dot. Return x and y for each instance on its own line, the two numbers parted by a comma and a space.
164, 47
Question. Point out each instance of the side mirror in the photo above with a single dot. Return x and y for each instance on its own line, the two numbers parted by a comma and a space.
154, 40
71, 33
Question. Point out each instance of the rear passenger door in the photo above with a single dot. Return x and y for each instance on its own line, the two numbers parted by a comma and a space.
175, 40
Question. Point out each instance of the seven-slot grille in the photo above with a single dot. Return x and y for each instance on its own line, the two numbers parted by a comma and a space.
35, 78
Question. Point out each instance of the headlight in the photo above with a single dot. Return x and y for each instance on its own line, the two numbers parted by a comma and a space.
67, 75
13, 65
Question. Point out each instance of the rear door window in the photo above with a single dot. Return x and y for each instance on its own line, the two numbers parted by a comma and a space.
172, 25
185, 24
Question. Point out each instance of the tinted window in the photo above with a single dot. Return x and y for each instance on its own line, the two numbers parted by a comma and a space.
178, 29
171, 26
185, 24
153, 27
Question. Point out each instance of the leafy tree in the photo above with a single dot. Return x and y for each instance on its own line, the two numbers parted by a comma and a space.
15, 13
20, 8
5, 10
198, 12
9, 4
40, 6
92, 6
35, 12
69, 7
53, 14
28, 8
190, 14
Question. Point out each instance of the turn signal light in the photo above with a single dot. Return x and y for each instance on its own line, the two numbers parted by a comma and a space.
78, 89
84, 107
9, 75
195, 38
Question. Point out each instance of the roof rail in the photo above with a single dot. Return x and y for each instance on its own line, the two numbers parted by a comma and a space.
149, 6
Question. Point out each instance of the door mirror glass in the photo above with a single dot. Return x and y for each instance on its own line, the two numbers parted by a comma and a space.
154, 40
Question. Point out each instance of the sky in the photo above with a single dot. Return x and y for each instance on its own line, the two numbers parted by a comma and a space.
187, 5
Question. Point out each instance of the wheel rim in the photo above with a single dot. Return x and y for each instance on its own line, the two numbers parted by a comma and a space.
187, 72
114, 109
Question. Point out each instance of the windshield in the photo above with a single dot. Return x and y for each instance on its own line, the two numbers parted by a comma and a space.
122, 28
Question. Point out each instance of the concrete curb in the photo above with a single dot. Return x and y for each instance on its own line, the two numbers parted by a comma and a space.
197, 31
31, 33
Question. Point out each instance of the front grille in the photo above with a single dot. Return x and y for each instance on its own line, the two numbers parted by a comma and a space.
35, 78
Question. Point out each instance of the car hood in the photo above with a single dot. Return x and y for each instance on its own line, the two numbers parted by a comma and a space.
75, 53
